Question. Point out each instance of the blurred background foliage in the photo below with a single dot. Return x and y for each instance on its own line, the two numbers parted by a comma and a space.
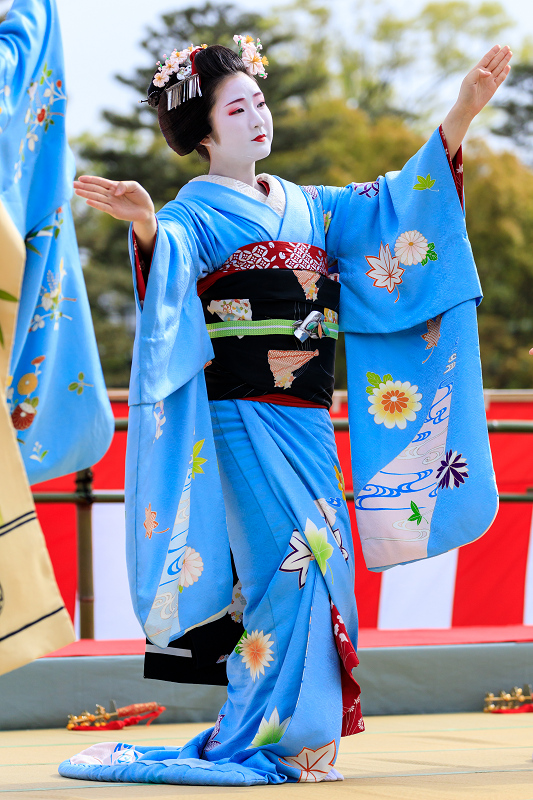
347, 106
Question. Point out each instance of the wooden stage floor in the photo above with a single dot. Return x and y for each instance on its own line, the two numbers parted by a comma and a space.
419, 757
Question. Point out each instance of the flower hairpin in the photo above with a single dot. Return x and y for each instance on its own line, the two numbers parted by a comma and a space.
187, 84
249, 51
178, 63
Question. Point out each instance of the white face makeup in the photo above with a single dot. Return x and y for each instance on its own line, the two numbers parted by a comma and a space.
242, 123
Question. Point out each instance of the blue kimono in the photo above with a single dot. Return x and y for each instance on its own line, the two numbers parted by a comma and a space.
56, 394
263, 480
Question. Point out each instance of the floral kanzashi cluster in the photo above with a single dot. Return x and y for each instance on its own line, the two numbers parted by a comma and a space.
178, 63
250, 52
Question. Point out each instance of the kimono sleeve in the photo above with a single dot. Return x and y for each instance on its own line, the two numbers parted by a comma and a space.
401, 236
178, 556
171, 344
422, 470
65, 422
24, 27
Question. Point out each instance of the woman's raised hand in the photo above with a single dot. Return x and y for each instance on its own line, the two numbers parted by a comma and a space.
476, 90
481, 83
126, 200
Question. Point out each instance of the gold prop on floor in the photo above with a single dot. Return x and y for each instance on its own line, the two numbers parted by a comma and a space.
517, 700
103, 720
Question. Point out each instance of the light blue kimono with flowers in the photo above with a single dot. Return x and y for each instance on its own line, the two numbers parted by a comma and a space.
422, 470
57, 396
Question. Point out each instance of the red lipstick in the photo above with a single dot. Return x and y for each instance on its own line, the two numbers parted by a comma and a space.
260, 138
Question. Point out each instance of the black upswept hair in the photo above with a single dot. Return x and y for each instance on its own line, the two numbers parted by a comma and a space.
185, 126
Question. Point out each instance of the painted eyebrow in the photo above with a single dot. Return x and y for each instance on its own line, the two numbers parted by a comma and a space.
240, 99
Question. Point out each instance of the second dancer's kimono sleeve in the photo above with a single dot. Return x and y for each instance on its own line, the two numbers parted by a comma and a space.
422, 471
56, 394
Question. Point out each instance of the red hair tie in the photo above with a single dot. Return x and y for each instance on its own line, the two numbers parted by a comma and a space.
194, 71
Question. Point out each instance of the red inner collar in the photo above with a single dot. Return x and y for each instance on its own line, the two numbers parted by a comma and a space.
266, 185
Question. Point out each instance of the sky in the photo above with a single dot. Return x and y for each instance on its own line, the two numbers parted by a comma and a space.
101, 39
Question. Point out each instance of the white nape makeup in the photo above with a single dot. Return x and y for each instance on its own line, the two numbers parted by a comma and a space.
242, 129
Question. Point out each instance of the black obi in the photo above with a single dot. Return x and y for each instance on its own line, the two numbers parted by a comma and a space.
250, 366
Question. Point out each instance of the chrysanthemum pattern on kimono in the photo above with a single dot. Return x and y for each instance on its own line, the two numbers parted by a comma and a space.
255, 649
393, 403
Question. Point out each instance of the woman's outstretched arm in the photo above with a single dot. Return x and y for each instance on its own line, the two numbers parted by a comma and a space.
126, 200
476, 90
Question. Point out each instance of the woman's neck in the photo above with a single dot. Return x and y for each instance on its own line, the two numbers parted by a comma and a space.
245, 173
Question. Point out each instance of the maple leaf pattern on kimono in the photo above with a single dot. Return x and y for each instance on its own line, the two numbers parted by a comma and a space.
212, 741
433, 335
150, 523
196, 460
318, 541
314, 765
270, 731
299, 559
314, 546
329, 513
425, 183
385, 270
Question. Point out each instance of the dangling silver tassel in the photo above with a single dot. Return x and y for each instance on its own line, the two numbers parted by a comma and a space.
183, 90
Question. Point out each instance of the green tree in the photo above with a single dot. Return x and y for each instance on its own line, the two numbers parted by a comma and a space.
517, 107
499, 207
